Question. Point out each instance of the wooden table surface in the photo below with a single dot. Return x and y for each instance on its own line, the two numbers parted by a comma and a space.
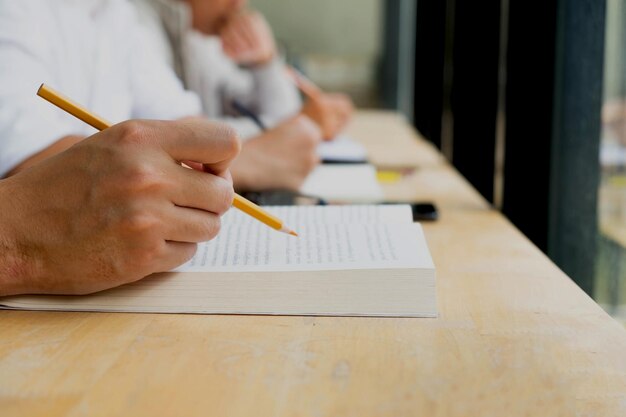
515, 336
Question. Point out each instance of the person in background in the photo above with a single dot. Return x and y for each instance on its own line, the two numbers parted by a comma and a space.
94, 51
226, 53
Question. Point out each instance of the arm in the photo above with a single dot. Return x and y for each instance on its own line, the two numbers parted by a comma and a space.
157, 92
57, 147
30, 129
248, 40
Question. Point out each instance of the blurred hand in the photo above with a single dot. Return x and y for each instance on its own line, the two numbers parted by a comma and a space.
614, 119
248, 40
115, 207
331, 112
280, 158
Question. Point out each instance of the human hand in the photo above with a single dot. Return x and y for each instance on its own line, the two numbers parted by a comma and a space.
331, 112
280, 158
114, 208
248, 40
614, 119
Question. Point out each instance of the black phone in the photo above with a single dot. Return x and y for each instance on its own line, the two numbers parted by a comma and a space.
423, 211
283, 198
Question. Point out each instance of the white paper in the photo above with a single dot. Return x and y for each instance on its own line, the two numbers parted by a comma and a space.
342, 148
327, 241
294, 216
345, 183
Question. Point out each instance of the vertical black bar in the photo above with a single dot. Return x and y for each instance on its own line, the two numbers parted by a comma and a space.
391, 49
429, 56
398, 64
475, 91
575, 148
529, 116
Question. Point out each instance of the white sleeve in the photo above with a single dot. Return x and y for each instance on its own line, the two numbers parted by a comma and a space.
157, 91
277, 97
265, 90
27, 123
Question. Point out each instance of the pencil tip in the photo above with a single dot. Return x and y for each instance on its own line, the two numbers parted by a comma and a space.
292, 233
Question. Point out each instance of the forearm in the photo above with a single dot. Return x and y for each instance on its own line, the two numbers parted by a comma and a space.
57, 147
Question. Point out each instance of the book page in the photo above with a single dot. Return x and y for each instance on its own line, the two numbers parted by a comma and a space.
252, 246
294, 216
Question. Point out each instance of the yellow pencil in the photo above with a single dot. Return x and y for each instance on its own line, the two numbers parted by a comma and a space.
86, 116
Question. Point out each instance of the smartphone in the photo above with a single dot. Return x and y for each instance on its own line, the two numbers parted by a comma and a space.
283, 198
423, 211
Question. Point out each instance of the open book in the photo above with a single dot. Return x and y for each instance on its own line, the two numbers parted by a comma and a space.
348, 260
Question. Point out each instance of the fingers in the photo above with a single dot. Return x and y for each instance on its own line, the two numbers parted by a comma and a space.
191, 225
332, 112
213, 144
235, 40
176, 254
248, 30
308, 88
202, 191
305, 128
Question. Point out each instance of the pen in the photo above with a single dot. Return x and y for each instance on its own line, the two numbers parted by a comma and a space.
245, 111
304, 83
91, 119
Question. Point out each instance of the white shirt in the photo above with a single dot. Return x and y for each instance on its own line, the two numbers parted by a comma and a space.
204, 68
90, 50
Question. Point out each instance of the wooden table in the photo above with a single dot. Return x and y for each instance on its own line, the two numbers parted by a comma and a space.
609, 288
515, 337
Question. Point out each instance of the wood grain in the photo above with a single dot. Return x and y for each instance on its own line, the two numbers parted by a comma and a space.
516, 337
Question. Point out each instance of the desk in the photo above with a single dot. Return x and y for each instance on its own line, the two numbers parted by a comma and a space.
609, 289
515, 337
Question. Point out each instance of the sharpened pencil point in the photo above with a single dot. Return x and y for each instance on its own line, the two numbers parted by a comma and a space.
292, 233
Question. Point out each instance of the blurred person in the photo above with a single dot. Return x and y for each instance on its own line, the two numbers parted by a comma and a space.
614, 119
224, 52
94, 51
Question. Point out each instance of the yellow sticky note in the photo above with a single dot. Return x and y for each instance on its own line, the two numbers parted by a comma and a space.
387, 177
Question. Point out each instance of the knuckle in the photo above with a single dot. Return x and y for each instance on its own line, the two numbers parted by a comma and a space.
142, 177
232, 141
132, 132
140, 223
311, 133
313, 161
149, 253
224, 195
189, 251
211, 227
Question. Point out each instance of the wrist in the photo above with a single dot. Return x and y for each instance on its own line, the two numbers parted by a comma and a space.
263, 62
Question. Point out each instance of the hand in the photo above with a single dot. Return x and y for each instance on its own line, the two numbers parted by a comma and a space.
248, 40
280, 158
115, 207
614, 119
331, 112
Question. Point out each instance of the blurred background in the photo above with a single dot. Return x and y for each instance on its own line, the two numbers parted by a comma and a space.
337, 43
526, 99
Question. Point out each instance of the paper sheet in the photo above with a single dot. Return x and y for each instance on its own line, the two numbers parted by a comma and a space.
302, 215
342, 148
331, 238
345, 183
